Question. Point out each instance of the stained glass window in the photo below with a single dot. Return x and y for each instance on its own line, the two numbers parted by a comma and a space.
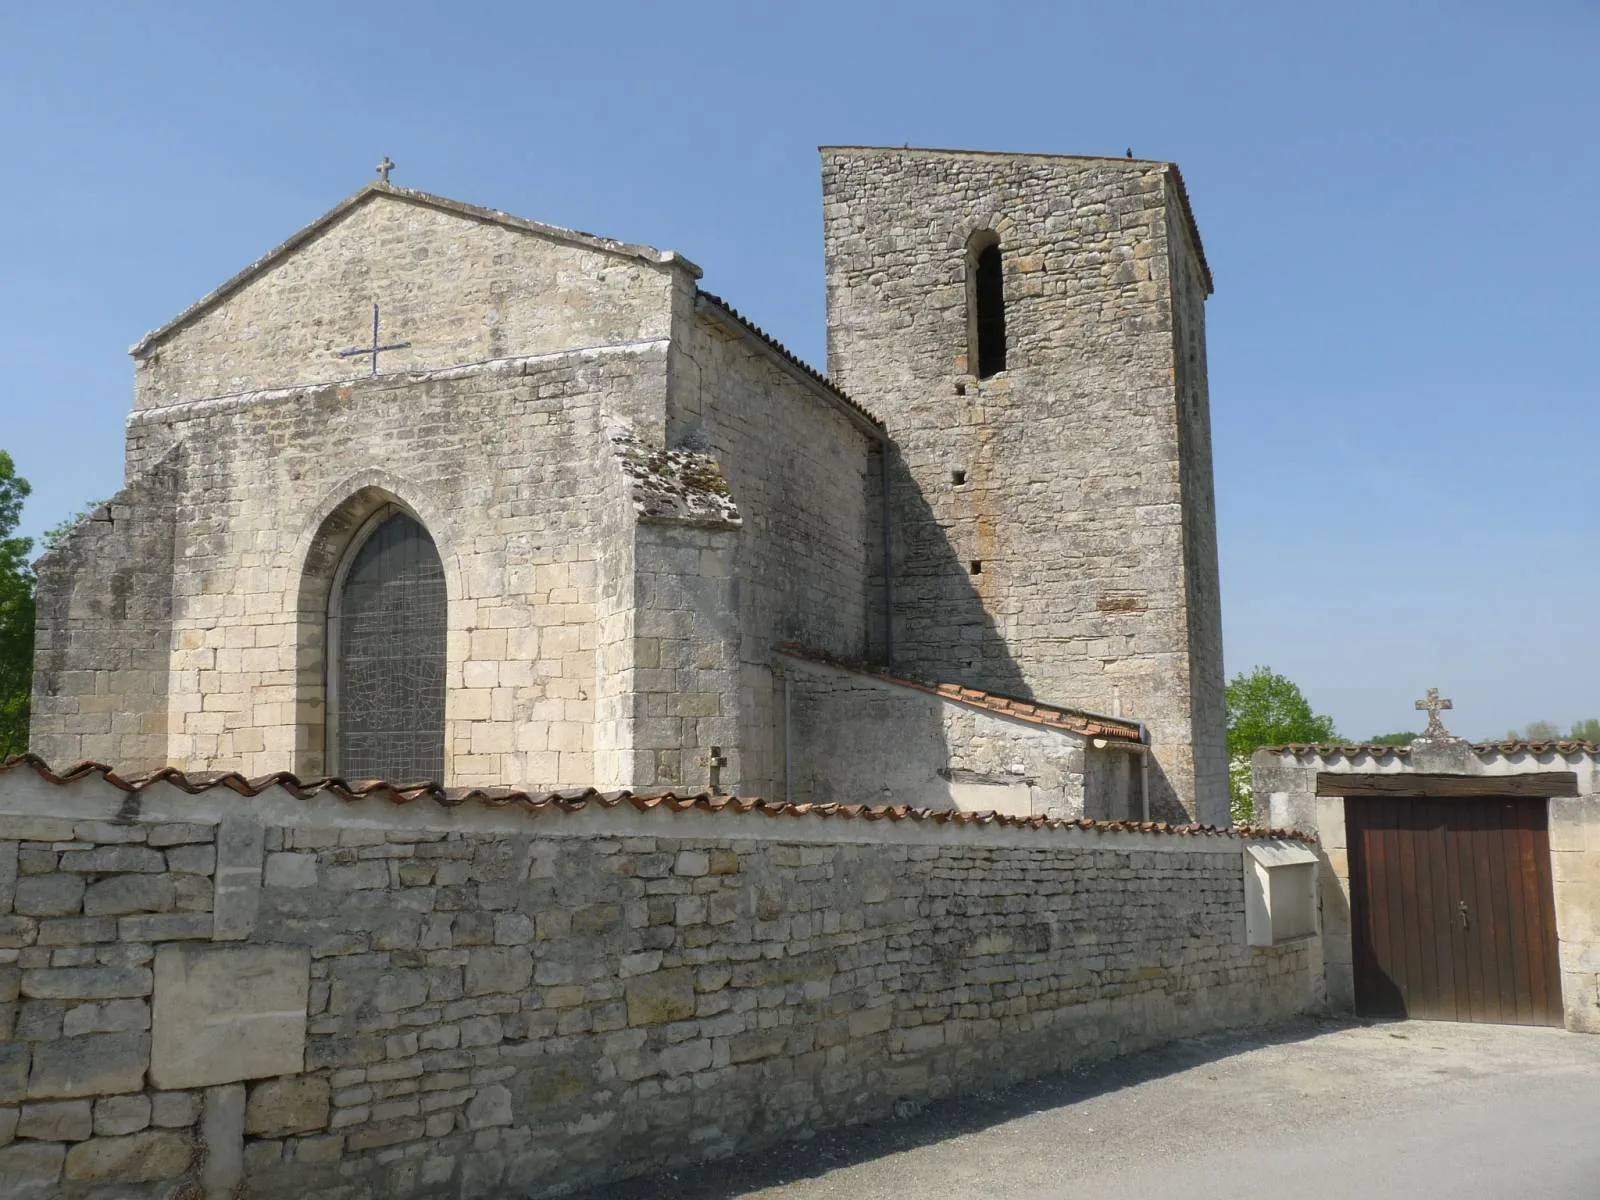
388, 695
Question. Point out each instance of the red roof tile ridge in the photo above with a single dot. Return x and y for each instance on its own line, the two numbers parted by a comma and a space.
1379, 749
1035, 712
572, 800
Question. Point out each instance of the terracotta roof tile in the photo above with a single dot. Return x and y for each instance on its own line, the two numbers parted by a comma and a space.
577, 799
1050, 715
1514, 746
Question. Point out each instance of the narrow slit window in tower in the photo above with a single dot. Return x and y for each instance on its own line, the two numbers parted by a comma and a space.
989, 315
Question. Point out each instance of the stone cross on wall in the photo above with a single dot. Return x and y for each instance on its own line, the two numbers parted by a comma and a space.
375, 349
714, 762
1433, 706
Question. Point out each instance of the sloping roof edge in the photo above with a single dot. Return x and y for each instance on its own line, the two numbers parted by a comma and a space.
493, 216
577, 799
716, 306
1051, 716
1376, 750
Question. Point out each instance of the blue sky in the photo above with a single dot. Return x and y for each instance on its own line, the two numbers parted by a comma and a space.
1398, 200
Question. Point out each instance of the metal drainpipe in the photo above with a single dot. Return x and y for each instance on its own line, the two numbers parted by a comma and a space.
888, 559
1144, 772
788, 753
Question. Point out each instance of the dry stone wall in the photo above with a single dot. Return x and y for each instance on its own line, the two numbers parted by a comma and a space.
1054, 527
496, 1002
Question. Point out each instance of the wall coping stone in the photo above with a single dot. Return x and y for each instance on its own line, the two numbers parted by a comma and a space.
93, 791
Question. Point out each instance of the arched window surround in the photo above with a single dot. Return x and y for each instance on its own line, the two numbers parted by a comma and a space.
986, 310
331, 536
335, 658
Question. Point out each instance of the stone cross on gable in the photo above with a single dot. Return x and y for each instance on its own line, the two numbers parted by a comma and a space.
1433, 706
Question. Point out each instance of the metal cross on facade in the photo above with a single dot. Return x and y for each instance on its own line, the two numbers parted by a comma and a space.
1433, 706
384, 168
714, 762
373, 349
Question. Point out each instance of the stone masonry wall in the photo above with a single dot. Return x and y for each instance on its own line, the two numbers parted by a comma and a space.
1041, 543
1285, 785
797, 467
504, 1002
507, 466
459, 288
104, 629
926, 749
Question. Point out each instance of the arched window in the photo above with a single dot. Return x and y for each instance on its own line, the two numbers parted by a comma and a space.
986, 306
386, 643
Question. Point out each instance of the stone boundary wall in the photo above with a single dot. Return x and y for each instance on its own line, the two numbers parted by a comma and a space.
212, 995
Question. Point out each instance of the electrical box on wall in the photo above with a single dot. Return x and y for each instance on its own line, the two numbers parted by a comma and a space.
1280, 892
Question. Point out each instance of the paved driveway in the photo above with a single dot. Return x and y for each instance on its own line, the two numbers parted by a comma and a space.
1306, 1112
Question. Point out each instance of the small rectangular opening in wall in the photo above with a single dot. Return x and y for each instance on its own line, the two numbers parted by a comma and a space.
976, 566
958, 477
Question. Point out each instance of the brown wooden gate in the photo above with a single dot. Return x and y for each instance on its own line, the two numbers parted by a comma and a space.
1452, 911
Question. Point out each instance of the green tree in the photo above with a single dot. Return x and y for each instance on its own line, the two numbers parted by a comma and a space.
1394, 739
1266, 709
16, 613
1587, 730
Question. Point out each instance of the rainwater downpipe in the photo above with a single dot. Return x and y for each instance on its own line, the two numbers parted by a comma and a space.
788, 751
1144, 772
888, 559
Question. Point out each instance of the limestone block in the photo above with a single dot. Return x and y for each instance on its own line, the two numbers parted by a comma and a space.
174, 1110
661, 997
241, 842
57, 1121
122, 894
8, 1125
498, 969
192, 860
489, 1108
14, 1057
280, 1107
166, 927
291, 870
86, 983
49, 895
31, 1168
227, 1014
99, 1064
179, 834
222, 1133
138, 1158
76, 931
110, 1016
118, 1115
114, 858
8, 875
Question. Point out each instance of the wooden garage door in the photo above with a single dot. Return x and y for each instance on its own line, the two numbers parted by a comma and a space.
1452, 913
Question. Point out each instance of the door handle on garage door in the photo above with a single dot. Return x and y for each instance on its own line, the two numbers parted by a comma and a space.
1462, 913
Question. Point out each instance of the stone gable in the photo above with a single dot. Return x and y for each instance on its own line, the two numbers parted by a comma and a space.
457, 283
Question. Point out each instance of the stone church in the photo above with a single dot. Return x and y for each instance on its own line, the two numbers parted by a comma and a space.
432, 492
